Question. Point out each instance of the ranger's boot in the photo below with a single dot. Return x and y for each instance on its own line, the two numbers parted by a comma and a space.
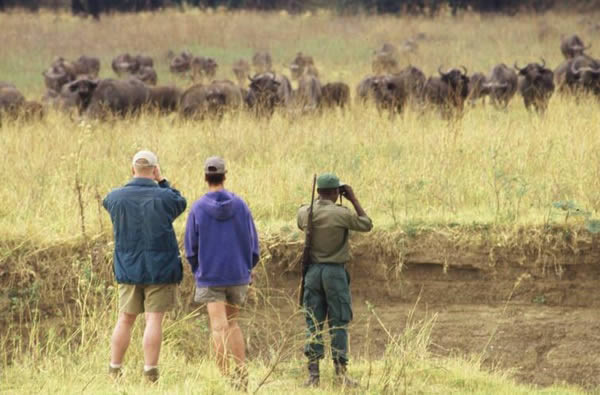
341, 376
314, 377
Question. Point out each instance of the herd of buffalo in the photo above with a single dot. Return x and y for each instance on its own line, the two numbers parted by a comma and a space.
74, 86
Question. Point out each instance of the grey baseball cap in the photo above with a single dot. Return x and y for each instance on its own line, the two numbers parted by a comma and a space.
214, 165
147, 159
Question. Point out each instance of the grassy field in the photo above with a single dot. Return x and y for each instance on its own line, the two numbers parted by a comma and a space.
491, 168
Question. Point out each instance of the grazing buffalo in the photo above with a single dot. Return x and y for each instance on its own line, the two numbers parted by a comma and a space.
536, 85
268, 91
56, 77
115, 97
241, 70
390, 93
181, 63
301, 64
262, 62
164, 99
11, 100
414, 82
577, 75
202, 101
448, 92
307, 98
365, 91
335, 94
477, 89
584, 75
201, 67
572, 46
13, 104
147, 75
129, 64
501, 85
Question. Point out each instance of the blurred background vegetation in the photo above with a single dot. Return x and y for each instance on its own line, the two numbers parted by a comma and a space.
412, 7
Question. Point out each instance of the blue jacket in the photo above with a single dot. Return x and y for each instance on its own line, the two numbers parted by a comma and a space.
146, 250
221, 243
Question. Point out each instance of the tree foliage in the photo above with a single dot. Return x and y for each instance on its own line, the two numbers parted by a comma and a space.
411, 7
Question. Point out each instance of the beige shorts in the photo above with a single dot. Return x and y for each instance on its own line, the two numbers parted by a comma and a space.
155, 298
234, 295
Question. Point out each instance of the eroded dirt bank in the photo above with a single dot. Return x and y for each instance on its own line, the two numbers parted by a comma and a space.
525, 299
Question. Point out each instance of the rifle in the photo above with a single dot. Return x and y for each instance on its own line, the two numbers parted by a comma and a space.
305, 263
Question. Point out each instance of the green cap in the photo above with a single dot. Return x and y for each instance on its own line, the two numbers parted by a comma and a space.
328, 181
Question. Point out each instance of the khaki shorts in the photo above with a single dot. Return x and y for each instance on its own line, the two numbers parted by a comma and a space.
155, 298
234, 295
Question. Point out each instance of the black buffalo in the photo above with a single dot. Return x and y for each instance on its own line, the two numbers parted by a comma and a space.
97, 99
390, 93
501, 85
211, 101
572, 46
307, 98
365, 91
129, 64
268, 91
448, 92
577, 75
414, 82
164, 99
181, 63
335, 94
477, 90
536, 85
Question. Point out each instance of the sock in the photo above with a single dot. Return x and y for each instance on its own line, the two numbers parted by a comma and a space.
147, 368
115, 365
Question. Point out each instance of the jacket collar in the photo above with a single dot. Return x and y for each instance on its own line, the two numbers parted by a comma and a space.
324, 201
141, 182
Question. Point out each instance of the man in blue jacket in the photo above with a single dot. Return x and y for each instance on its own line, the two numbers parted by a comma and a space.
221, 245
147, 263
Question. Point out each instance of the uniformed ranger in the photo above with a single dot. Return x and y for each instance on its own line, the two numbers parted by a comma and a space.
327, 283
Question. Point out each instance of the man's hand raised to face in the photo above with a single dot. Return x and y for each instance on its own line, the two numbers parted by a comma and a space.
157, 175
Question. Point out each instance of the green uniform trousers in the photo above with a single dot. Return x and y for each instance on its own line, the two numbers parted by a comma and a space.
327, 298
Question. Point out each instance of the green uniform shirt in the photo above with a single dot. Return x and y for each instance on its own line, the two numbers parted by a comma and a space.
331, 224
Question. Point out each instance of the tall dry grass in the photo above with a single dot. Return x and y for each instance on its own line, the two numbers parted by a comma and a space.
492, 167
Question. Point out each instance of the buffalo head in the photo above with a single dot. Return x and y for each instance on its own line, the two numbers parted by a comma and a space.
457, 80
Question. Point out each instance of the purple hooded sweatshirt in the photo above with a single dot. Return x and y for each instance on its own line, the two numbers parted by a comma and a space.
221, 243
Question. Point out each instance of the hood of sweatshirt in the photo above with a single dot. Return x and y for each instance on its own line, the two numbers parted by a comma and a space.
218, 205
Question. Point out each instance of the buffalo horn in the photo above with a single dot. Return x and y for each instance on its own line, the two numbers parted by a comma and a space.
464, 69
543, 62
440, 71
517, 67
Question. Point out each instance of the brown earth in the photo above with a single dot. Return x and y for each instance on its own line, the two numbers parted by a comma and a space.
533, 307
526, 300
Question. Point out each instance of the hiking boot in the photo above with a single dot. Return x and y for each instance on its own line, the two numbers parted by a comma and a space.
341, 376
239, 379
314, 378
115, 373
151, 375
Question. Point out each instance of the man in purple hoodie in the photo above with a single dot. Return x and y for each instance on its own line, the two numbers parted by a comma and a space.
221, 245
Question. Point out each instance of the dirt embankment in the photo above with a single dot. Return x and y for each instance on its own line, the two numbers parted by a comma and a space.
525, 299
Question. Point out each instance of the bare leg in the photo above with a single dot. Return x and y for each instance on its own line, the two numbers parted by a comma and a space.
152, 338
219, 327
235, 339
121, 337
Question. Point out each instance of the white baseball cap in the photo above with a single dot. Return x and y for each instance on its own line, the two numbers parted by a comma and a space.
147, 156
